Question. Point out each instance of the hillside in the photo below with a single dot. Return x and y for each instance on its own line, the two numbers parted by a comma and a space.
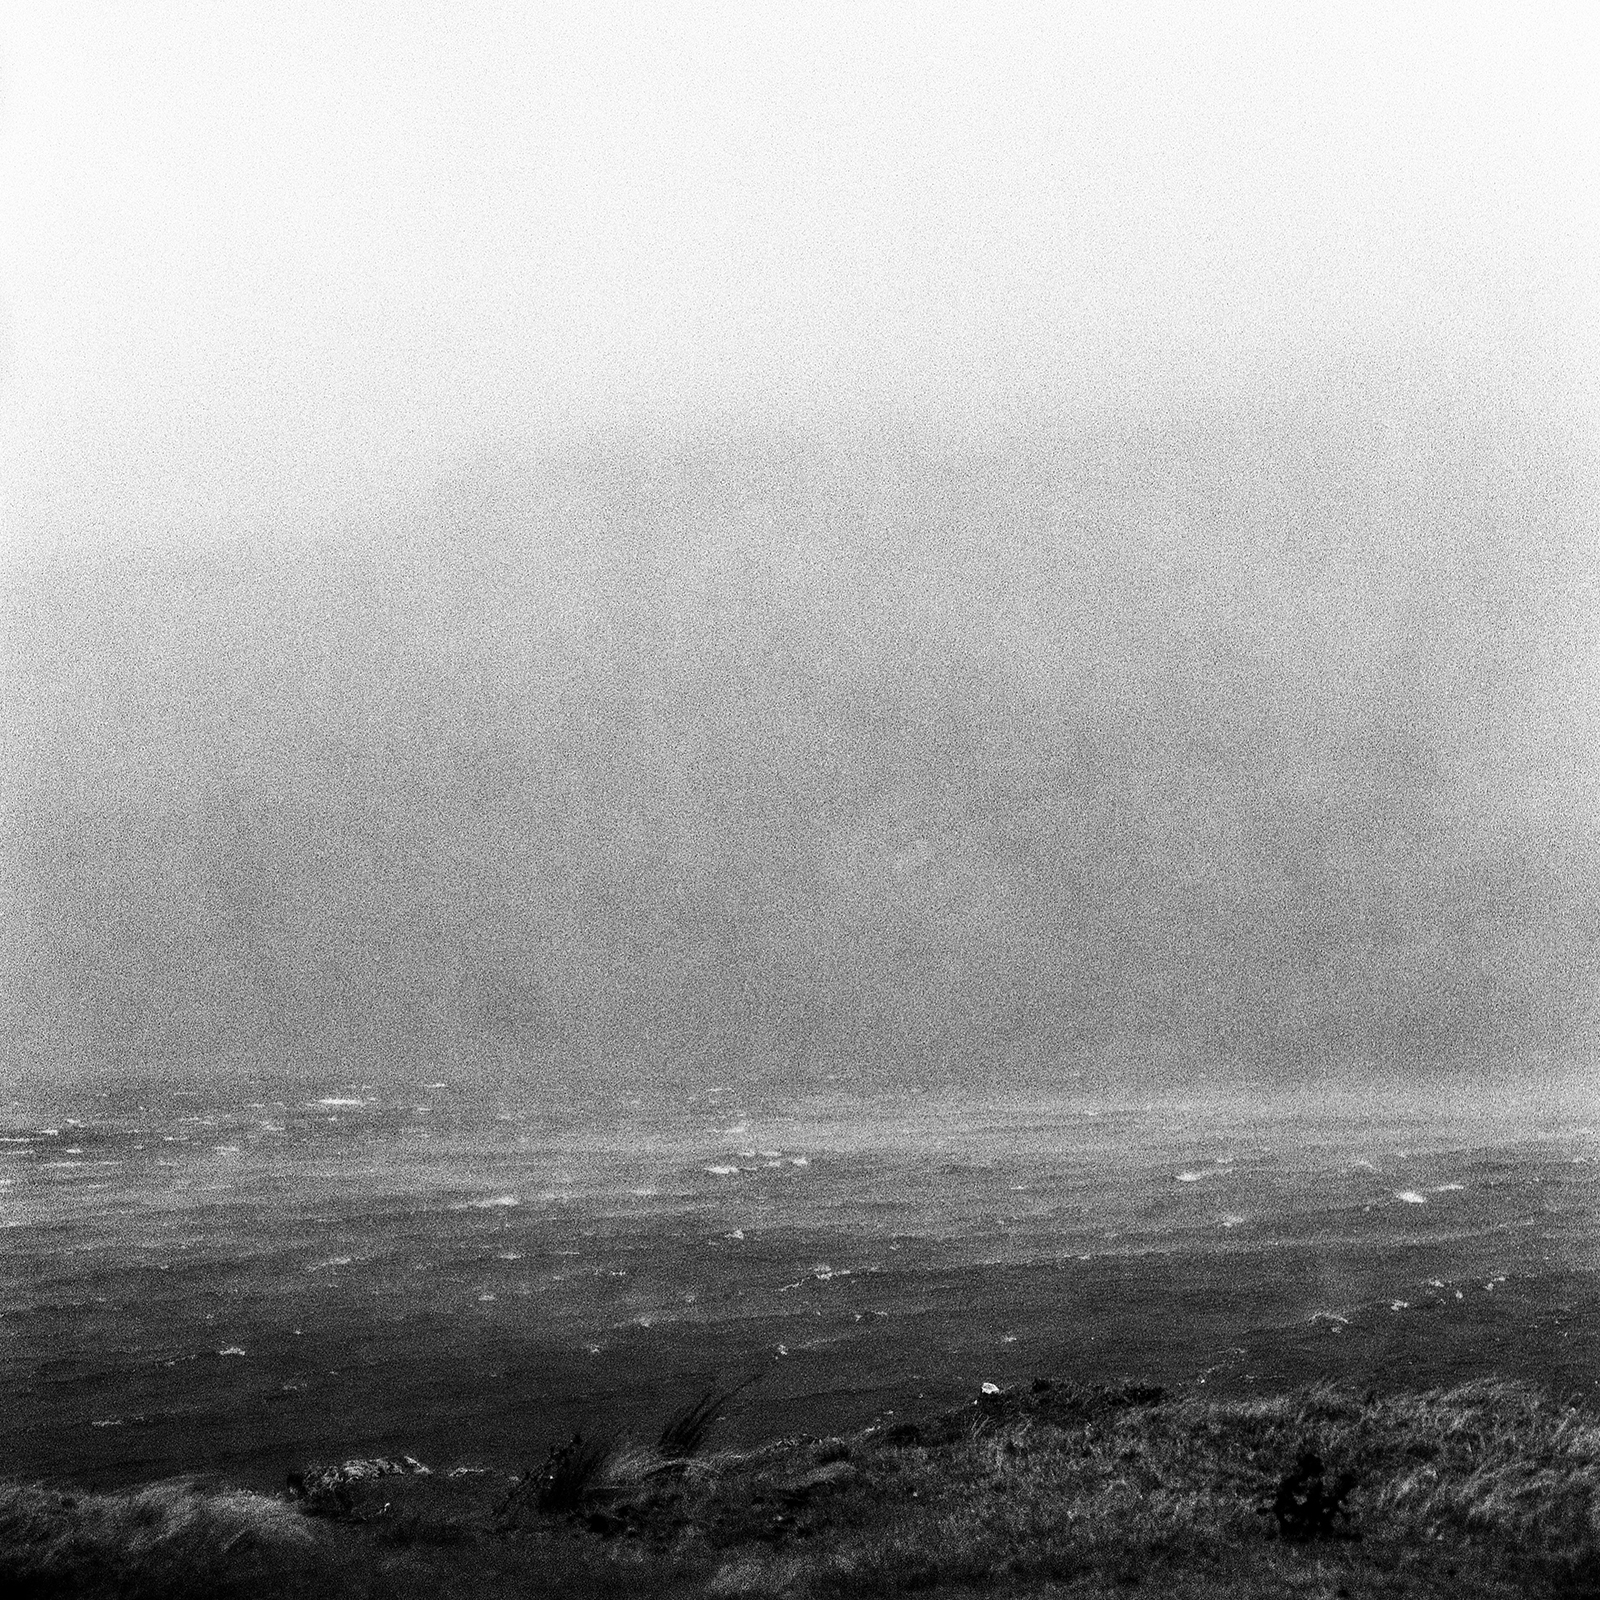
1490, 1489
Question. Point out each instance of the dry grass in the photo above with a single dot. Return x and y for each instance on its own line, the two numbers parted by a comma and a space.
168, 1539
1488, 1490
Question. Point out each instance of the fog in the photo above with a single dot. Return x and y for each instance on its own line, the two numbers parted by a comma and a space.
1255, 745
592, 558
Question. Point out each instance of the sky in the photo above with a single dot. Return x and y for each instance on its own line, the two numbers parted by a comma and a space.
894, 543
262, 259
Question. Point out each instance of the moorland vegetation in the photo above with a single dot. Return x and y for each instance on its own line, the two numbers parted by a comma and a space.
1492, 1489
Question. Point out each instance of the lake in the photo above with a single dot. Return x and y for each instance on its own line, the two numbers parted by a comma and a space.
192, 1283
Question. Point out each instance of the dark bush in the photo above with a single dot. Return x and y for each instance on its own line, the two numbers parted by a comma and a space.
569, 1472
1308, 1505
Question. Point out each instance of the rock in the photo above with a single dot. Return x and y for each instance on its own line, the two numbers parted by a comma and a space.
329, 1489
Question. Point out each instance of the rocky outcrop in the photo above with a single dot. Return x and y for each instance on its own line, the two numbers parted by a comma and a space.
334, 1491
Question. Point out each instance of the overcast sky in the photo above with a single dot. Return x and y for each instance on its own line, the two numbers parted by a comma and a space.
264, 259
875, 544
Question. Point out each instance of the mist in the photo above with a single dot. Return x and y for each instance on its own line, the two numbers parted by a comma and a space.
871, 548
1237, 745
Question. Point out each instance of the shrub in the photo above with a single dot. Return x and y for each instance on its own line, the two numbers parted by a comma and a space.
569, 1473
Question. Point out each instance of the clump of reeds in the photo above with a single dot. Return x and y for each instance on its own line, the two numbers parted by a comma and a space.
569, 1473
686, 1430
685, 1433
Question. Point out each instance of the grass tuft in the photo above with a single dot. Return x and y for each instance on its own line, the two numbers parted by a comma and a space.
1485, 1492
569, 1474
686, 1430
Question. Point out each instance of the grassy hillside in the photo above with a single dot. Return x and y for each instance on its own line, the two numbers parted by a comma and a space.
1485, 1490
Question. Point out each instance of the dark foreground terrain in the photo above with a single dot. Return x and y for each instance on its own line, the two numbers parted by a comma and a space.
1045, 1488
